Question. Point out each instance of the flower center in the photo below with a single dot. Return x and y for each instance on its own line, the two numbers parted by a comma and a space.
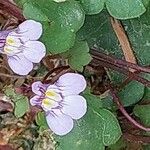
51, 100
10, 41
47, 102
7, 50
12, 45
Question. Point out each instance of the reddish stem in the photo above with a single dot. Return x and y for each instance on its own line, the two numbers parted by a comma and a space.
124, 112
134, 76
12, 9
118, 62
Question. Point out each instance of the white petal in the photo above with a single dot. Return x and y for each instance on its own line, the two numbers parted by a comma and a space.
34, 51
35, 100
39, 88
74, 106
71, 84
19, 64
30, 29
60, 124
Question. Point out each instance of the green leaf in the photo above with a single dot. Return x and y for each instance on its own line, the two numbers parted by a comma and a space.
137, 28
33, 12
92, 6
57, 39
21, 106
143, 111
68, 14
123, 9
129, 95
111, 129
78, 56
120, 9
146, 147
10, 92
146, 96
41, 120
60, 22
146, 2
98, 32
119, 145
97, 129
93, 100
21, 103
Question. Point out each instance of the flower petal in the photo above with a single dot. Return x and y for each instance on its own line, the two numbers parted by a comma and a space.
3, 36
34, 51
19, 64
39, 88
74, 106
30, 30
35, 100
59, 123
71, 84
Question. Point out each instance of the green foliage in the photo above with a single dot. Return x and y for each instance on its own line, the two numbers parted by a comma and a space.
129, 95
78, 56
41, 121
57, 39
21, 104
97, 31
97, 129
119, 145
143, 111
60, 21
123, 9
92, 6
137, 28
120, 9
69, 33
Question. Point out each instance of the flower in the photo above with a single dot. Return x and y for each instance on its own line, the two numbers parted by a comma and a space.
61, 101
21, 46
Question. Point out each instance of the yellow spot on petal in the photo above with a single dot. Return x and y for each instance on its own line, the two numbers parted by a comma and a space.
7, 50
47, 102
50, 93
10, 41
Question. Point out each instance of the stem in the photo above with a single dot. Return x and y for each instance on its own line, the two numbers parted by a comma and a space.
124, 71
136, 138
124, 112
58, 70
20, 77
120, 66
119, 62
12, 9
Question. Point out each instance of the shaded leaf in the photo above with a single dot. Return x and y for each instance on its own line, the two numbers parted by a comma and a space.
143, 111
21, 106
78, 56
92, 6
123, 9
129, 95
41, 120
56, 39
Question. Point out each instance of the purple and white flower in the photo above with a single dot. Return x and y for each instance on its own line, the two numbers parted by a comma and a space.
61, 101
21, 46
